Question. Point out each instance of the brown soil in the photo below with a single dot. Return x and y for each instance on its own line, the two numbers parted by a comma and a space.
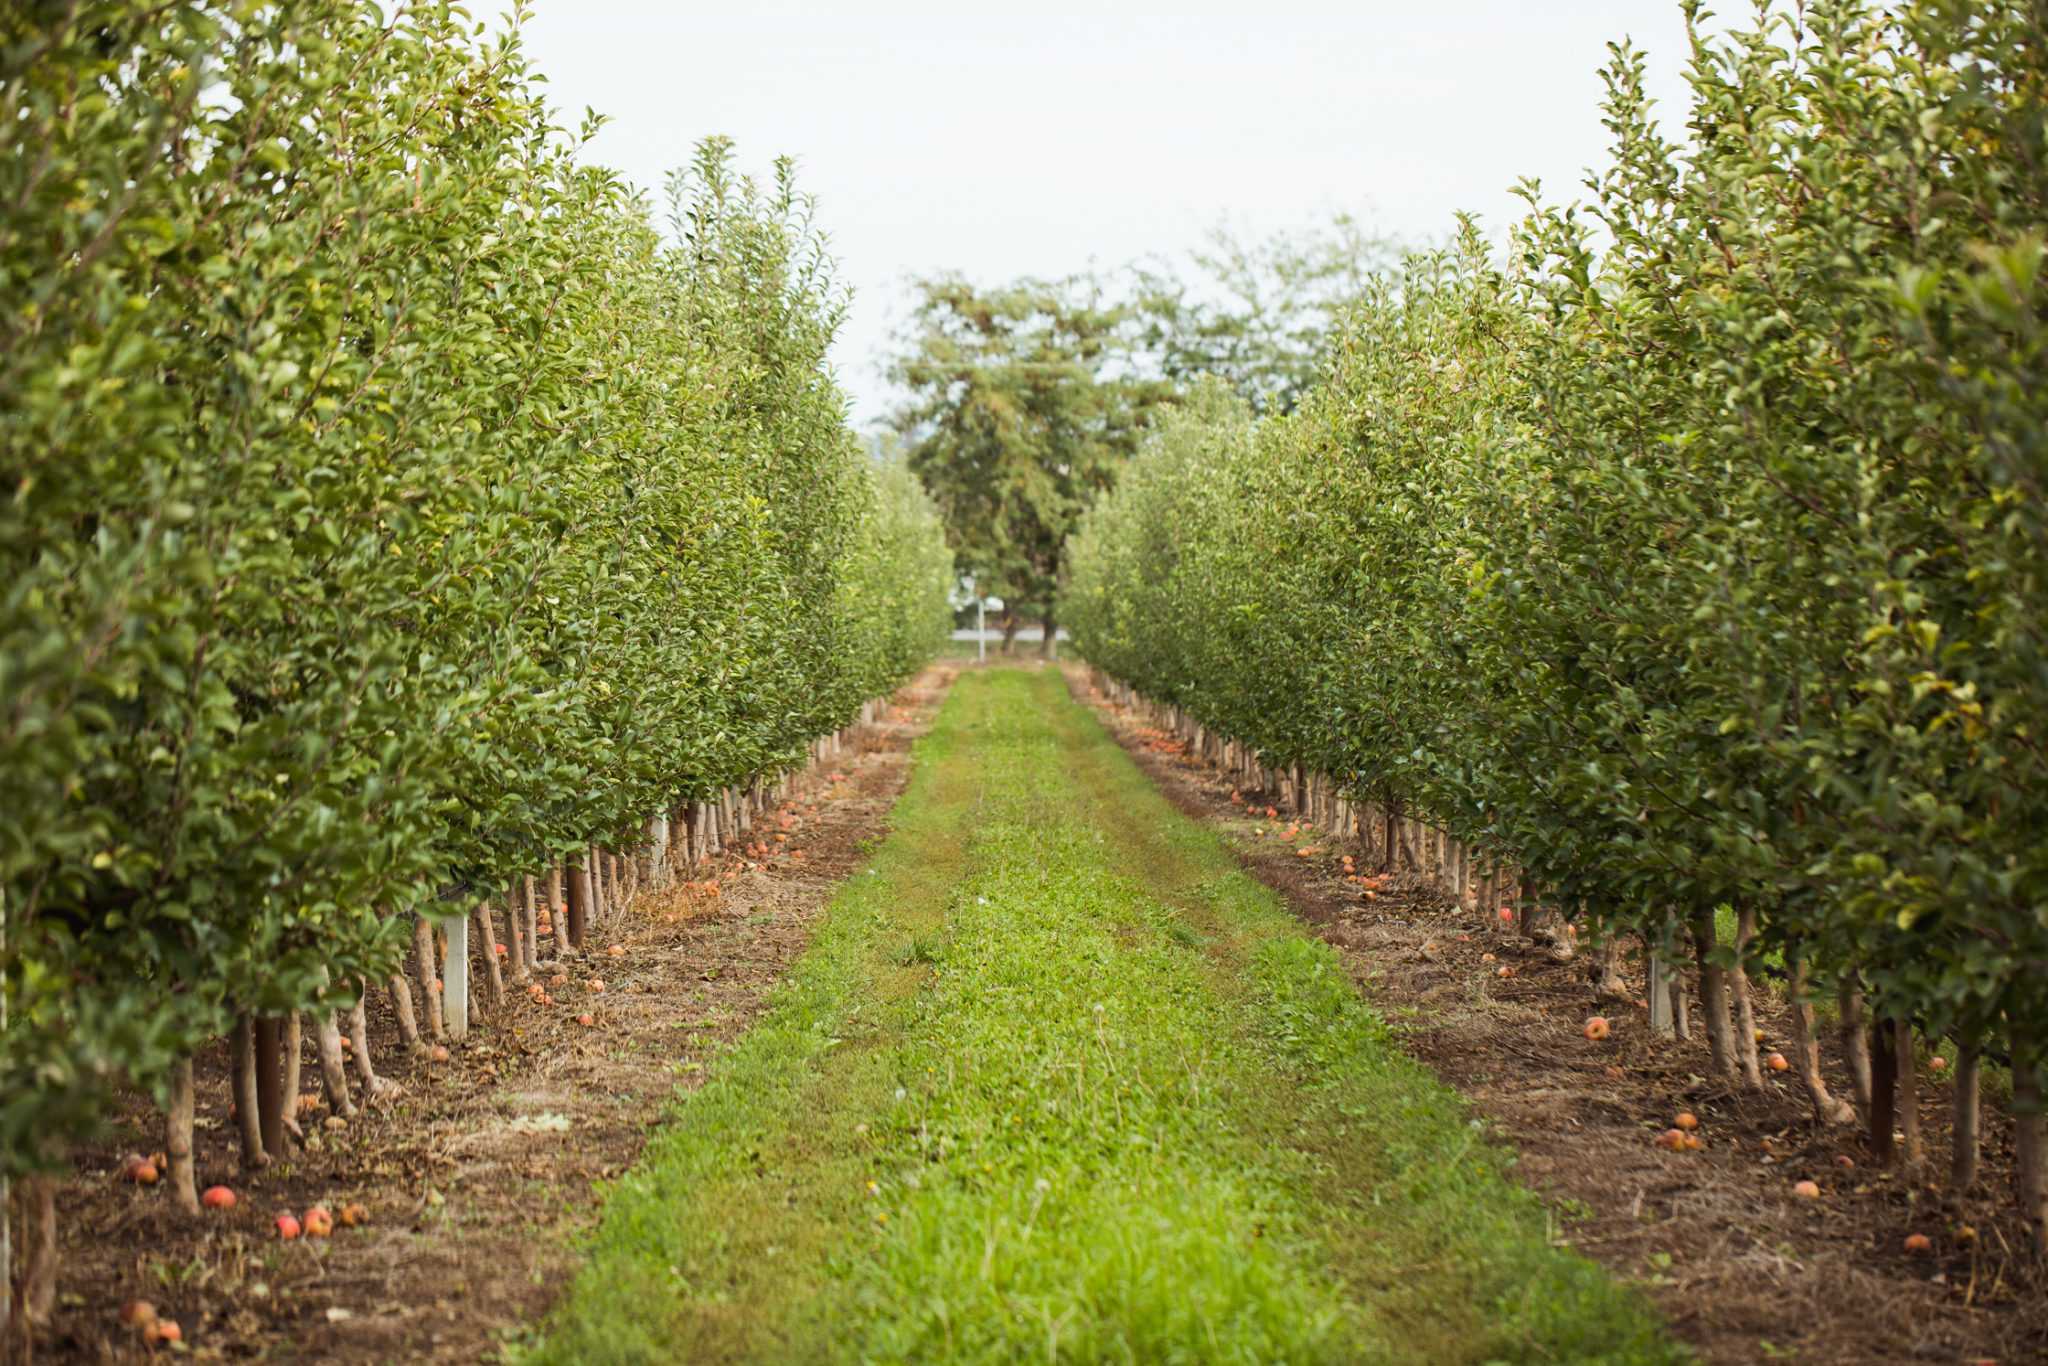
481, 1177
1743, 1269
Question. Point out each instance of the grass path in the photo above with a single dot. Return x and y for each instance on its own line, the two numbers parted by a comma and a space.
1057, 1081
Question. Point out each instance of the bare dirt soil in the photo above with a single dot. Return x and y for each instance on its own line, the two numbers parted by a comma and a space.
1743, 1269
479, 1178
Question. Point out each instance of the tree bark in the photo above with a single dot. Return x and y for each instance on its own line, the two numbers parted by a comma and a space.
333, 1067
2030, 1167
515, 932
494, 976
1609, 984
408, 1023
1745, 1009
1806, 1053
1856, 1045
1714, 996
1906, 1090
1969, 1119
39, 1264
248, 1108
294, 1047
1884, 1078
270, 1097
359, 1022
429, 975
579, 910
178, 1138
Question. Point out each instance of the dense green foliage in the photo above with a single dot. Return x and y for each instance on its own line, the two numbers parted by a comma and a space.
390, 509
1058, 1078
1695, 554
1021, 408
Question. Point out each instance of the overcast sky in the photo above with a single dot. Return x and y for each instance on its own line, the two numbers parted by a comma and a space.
1051, 137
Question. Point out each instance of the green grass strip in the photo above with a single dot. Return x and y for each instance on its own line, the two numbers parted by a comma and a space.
1057, 1081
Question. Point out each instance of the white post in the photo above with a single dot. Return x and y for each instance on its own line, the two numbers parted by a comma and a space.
455, 978
980, 628
1662, 1014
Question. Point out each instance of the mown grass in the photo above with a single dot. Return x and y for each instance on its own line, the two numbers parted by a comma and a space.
1057, 1081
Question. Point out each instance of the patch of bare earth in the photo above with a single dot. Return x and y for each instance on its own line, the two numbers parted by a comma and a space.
480, 1178
1742, 1268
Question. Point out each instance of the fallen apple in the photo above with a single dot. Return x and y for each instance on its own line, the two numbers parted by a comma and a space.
138, 1313
1806, 1190
163, 1330
1919, 1244
319, 1223
1776, 1062
218, 1197
1597, 1028
1687, 1121
353, 1215
287, 1227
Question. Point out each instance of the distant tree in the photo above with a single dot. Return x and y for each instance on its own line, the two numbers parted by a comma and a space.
1023, 404
1256, 314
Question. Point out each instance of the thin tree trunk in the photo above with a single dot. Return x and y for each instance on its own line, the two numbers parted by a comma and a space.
1906, 1088
531, 906
579, 910
429, 975
1806, 1051
39, 1268
359, 1022
294, 1046
515, 933
1856, 1045
1714, 996
333, 1067
270, 1097
1969, 1119
1610, 984
2030, 1166
494, 976
178, 1138
408, 1023
1884, 1079
248, 1106
1745, 1010
558, 911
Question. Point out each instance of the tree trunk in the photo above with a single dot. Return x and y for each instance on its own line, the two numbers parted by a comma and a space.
1906, 1089
515, 932
1884, 1079
248, 1106
429, 975
1609, 984
1969, 1119
270, 1097
178, 1138
494, 976
1714, 996
1745, 1010
359, 1022
1048, 647
408, 1023
579, 910
333, 1067
294, 1047
1856, 1045
39, 1264
558, 911
1806, 1055
2030, 1166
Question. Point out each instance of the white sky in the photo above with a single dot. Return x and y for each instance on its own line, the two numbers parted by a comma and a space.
1045, 138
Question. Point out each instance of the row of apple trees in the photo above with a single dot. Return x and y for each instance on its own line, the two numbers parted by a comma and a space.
387, 509
1692, 554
